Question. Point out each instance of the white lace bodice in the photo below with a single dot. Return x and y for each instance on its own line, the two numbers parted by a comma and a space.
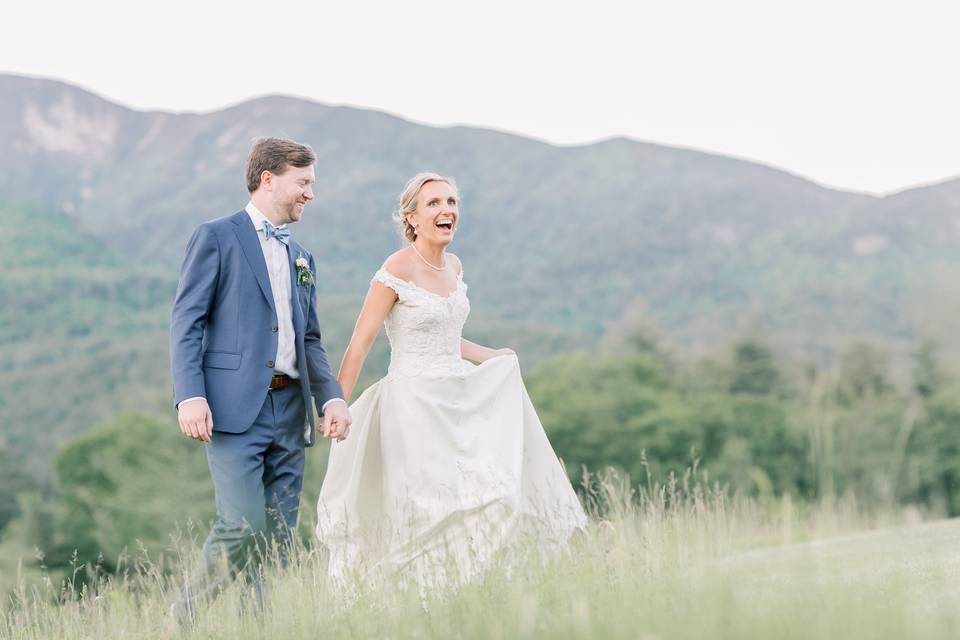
424, 328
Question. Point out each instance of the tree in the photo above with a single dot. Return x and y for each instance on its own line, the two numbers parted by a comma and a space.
14, 481
927, 374
132, 480
863, 373
754, 368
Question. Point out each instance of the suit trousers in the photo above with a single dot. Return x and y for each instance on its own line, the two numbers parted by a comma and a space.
257, 478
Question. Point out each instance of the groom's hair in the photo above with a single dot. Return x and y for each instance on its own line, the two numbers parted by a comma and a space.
275, 155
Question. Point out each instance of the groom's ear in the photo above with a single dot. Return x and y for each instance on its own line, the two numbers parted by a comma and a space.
266, 180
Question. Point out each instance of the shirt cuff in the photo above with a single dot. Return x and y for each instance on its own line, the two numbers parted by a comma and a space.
183, 402
324, 407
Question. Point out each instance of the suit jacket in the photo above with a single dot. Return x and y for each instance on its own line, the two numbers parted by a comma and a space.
223, 330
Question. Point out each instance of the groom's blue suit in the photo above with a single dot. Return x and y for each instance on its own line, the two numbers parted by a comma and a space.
223, 346
223, 334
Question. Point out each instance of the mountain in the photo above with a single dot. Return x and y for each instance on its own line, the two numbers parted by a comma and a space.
542, 225
97, 201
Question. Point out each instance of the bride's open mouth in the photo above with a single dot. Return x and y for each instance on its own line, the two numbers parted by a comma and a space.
445, 224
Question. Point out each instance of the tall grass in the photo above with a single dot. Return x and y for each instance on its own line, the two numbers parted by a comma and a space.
677, 560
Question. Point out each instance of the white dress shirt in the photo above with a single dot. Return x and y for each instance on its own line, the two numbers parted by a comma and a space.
278, 270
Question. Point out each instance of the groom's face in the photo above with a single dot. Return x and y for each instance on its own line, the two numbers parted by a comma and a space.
292, 190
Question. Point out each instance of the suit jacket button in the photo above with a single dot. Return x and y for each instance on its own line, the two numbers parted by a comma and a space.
274, 328
269, 363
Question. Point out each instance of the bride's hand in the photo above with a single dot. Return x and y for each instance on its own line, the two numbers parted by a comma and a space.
506, 351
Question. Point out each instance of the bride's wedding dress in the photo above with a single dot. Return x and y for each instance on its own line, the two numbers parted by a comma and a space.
446, 464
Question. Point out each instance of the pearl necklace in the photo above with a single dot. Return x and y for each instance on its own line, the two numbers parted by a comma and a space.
443, 266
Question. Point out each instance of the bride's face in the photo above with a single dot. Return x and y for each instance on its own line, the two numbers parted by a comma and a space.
437, 213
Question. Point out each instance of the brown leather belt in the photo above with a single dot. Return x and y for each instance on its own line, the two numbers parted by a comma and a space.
281, 381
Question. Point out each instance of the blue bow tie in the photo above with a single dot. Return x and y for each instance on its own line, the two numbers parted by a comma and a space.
280, 233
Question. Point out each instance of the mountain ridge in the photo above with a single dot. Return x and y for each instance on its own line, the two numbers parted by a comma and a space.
283, 97
686, 231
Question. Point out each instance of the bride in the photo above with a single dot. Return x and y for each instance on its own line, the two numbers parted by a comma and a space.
447, 464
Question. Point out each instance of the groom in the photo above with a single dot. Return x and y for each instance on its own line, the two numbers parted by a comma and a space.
248, 364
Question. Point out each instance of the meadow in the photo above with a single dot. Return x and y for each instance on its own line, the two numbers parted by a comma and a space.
683, 559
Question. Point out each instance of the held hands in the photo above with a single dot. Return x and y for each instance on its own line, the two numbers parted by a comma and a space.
335, 422
195, 419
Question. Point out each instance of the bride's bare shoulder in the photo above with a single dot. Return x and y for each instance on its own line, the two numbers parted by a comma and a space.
400, 264
457, 265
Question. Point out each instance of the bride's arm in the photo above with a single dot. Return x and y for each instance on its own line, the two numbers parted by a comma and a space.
478, 353
380, 299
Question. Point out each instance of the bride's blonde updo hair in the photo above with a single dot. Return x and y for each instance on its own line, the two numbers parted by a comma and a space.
407, 202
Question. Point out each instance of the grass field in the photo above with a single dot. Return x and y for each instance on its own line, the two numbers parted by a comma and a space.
671, 561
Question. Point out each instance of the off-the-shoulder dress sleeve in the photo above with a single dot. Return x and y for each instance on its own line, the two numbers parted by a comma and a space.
384, 277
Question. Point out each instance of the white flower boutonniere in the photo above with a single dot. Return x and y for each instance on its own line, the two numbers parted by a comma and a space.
304, 275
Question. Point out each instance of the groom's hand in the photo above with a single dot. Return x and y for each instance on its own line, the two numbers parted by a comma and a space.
335, 423
195, 419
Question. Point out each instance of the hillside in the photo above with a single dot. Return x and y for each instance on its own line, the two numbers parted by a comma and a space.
558, 243
569, 235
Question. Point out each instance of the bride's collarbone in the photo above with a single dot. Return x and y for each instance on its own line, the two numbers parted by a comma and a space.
440, 284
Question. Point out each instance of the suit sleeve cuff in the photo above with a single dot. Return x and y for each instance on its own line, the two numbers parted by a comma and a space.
324, 407
183, 402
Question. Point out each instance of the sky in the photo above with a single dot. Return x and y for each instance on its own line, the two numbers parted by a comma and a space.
857, 95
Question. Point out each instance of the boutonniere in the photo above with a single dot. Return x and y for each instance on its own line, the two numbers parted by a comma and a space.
304, 275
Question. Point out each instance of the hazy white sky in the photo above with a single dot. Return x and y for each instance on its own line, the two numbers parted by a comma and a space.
856, 94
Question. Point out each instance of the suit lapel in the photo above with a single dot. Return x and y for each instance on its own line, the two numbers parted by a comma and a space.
299, 324
253, 252
298, 314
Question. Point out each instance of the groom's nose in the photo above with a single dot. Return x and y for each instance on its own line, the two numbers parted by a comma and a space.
308, 193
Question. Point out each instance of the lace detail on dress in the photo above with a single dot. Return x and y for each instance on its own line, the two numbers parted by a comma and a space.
402, 287
424, 328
